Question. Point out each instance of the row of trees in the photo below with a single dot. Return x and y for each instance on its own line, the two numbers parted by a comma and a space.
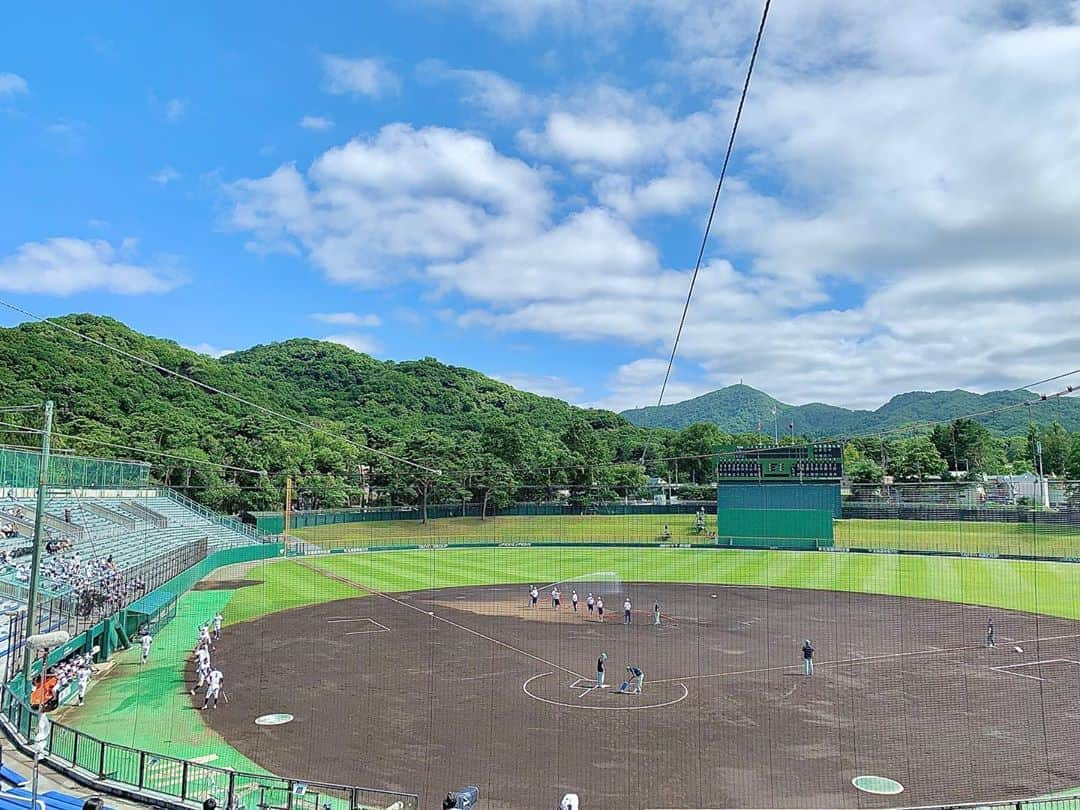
964, 449
589, 461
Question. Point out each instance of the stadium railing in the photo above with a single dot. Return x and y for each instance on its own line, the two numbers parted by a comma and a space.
181, 783
1070, 802
221, 520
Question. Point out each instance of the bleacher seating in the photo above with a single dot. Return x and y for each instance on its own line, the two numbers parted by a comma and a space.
53, 799
11, 777
128, 529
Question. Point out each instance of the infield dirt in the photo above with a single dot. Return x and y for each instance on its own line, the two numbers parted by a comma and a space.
488, 691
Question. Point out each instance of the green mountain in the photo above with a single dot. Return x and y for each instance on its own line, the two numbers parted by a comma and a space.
445, 417
741, 409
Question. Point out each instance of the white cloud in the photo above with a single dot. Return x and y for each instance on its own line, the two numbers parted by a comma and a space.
165, 175
65, 266
899, 211
67, 136
486, 90
316, 122
682, 188
521, 17
347, 318
175, 109
12, 84
637, 385
589, 255
209, 351
543, 384
365, 344
368, 211
605, 127
358, 77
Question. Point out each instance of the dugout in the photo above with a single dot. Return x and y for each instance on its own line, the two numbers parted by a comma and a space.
152, 611
776, 515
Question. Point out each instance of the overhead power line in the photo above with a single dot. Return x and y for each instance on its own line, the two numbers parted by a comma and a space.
214, 390
1052, 379
11, 427
716, 198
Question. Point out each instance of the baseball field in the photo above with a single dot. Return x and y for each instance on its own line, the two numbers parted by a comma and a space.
425, 670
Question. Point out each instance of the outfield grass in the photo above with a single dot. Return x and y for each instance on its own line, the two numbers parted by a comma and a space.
958, 536
1037, 587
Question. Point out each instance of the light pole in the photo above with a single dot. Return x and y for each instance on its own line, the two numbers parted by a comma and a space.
1044, 491
43, 642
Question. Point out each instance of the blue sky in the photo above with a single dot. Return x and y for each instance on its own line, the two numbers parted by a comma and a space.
520, 187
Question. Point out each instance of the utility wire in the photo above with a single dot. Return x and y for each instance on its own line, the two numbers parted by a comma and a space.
1051, 379
14, 428
716, 198
214, 390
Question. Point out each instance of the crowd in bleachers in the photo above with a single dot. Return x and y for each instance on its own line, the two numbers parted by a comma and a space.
10, 515
92, 546
98, 584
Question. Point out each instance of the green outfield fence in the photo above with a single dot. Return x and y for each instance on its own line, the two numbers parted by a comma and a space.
967, 518
181, 783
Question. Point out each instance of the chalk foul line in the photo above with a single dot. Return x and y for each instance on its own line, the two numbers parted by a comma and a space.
438, 618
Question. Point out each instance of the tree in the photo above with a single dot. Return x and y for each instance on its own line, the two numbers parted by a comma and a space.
697, 445
969, 447
1072, 469
433, 479
493, 482
1016, 455
1056, 446
864, 471
918, 459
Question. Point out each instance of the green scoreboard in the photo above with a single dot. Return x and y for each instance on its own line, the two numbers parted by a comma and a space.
778, 497
797, 462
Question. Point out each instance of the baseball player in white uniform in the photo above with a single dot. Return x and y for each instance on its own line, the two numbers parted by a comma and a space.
84, 681
213, 687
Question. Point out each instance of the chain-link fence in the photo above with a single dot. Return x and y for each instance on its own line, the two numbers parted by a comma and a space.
1009, 518
183, 782
19, 470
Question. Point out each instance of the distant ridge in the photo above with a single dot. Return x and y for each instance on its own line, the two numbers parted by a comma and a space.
740, 409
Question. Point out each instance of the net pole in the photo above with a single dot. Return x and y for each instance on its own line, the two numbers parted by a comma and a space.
39, 531
288, 515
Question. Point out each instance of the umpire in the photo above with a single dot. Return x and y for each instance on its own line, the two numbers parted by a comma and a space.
808, 658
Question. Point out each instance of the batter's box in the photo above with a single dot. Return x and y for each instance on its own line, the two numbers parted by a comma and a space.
1042, 670
360, 625
586, 685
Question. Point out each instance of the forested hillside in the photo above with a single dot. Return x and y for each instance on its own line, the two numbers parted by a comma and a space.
487, 441
740, 408
479, 431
